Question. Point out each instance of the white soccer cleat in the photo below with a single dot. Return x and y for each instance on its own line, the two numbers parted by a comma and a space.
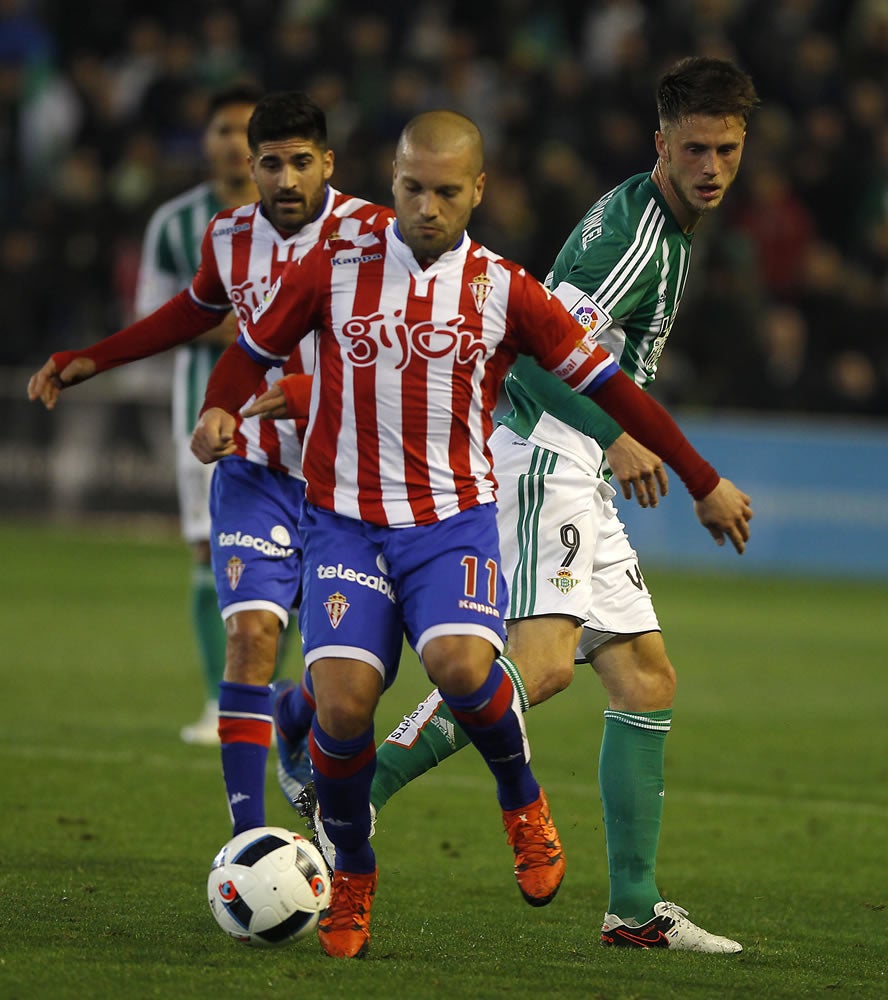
668, 928
204, 732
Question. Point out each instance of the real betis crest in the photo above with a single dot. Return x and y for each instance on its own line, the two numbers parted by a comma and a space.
480, 287
564, 581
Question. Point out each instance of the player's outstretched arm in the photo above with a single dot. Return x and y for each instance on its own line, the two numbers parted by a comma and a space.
726, 513
176, 322
47, 383
636, 468
213, 437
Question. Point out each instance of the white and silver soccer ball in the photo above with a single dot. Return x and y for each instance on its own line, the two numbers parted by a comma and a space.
268, 886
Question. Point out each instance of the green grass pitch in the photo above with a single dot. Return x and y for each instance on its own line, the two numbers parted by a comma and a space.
775, 815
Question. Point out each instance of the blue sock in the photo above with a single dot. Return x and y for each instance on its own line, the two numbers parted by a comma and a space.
491, 718
296, 710
343, 771
245, 734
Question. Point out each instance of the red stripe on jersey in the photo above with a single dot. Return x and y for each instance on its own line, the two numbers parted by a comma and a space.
236, 730
334, 767
366, 303
414, 408
494, 370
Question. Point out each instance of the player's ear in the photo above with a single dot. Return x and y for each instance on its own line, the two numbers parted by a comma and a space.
329, 163
478, 193
661, 145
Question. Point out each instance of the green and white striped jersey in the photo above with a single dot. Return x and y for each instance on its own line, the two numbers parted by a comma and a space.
170, 258
621, 274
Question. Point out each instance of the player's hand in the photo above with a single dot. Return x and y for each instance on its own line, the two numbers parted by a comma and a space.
47, 384
636, 468
289, 397
271, 405
213, 437
726, 513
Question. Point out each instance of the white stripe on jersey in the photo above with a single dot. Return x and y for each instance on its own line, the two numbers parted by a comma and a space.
442, 286
633, 260
249, 261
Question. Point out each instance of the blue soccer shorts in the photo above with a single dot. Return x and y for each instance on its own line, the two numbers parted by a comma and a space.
255, 542
367, 586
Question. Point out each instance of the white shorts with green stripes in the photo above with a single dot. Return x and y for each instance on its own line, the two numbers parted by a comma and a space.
564, 549
193, 364
193, 486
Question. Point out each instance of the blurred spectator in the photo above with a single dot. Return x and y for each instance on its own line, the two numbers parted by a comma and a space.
779, 224
102, 105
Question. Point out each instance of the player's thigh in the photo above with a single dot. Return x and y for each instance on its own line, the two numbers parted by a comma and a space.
544, 649
257, 549
449, 579
193, 490
350, 607
550, 517
619, 601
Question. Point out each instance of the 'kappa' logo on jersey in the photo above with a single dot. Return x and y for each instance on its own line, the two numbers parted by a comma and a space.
358, 259
231, 230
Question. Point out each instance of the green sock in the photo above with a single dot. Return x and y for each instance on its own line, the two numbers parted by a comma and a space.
208, 627
423, 739
630, 776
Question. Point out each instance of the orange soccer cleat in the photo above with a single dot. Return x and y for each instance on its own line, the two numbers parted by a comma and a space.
344, 929
539, 859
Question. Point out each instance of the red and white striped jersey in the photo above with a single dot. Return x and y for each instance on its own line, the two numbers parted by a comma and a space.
409, 366
242, 256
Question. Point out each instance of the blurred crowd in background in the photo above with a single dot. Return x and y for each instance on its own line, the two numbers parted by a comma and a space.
102, 107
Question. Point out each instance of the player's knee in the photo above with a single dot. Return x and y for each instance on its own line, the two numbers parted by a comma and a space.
457, 664
345, 718
251, 647
655, 679
542, 684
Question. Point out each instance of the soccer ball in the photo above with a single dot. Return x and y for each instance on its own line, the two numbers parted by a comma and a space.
268, 886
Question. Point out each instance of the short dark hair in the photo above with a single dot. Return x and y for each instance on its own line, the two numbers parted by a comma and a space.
699, 85
236, 93
285, 115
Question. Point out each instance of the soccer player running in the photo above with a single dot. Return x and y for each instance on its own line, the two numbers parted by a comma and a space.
415, 328
170, 255
565, 553
257, 493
